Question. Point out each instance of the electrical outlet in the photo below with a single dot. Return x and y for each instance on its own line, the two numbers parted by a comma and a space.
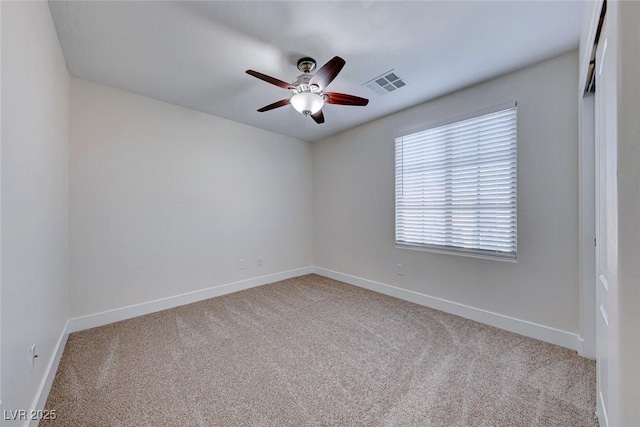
241, 264
399, 270
260, 262
32, 356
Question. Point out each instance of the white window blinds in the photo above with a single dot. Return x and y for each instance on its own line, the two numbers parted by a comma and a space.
456, 186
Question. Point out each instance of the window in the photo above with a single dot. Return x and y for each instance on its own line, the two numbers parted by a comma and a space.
456, 186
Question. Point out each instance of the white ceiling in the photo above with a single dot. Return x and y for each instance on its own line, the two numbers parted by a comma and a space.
195, 54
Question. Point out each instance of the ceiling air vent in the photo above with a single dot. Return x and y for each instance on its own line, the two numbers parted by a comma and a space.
385, 83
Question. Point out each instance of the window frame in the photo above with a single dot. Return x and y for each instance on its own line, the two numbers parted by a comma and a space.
454, 250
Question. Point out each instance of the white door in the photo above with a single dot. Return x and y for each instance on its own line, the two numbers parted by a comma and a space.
606, 225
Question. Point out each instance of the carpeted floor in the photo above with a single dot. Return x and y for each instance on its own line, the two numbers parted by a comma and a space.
314, 351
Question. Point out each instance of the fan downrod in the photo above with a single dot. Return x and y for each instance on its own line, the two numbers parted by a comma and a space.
306, 64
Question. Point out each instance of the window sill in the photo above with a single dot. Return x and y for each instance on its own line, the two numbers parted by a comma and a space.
457, 252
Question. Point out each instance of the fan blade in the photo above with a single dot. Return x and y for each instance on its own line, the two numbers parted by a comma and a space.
328, 72
344, 99
269, 79
281, 103
318, 117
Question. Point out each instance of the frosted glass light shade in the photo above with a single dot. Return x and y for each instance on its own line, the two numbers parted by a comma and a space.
307, 103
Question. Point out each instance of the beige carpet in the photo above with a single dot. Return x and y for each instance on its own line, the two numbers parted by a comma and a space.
314, 351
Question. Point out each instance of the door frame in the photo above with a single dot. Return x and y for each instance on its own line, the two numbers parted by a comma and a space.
587, 183
587, 226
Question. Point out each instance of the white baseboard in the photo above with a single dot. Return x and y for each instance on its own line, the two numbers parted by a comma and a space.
586, 349
104, 318
49, 374
580, 345
581, 348
522, 327
601, 412
511, 324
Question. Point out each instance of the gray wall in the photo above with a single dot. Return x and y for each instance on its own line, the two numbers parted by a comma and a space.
164, 200
629, 210
35, 117
354, 202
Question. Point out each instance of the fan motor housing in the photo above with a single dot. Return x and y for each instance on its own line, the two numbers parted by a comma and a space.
301, 84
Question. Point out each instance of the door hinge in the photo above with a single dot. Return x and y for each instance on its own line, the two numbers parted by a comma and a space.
595, 242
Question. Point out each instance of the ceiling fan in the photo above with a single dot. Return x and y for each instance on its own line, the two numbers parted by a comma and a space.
308, 89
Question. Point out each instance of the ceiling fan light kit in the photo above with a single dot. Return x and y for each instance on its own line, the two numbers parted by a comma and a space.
307, 103
308, 97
